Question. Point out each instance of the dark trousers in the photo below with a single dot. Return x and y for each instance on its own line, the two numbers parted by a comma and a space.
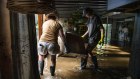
89, 49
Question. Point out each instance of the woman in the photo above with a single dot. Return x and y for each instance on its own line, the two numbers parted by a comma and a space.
48, 42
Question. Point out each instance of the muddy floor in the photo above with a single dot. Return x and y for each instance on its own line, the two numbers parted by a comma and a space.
112, 60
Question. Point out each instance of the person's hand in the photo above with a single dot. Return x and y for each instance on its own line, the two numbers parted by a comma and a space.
82, 36
100, 42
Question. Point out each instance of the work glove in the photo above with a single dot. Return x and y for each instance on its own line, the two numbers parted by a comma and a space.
82, 36
101, 40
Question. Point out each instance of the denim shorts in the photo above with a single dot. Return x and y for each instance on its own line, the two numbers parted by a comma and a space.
47, 47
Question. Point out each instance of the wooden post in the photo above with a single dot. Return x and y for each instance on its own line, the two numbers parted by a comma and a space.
40, 22
24, 49
5, 42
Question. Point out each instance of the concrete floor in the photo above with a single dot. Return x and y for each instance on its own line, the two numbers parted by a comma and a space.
113, 63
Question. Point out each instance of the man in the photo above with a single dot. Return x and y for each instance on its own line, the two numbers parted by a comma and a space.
125, 38
48, 42
95, 28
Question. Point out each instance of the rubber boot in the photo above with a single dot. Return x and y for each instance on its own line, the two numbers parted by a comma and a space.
83, 63
95, 62
41, 67
52, 70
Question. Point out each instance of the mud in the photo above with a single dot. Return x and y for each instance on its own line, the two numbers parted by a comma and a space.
113, 63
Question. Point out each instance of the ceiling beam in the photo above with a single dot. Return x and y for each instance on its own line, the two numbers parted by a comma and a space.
66, 7
80, 10
80, 2
81, 6
69, 12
